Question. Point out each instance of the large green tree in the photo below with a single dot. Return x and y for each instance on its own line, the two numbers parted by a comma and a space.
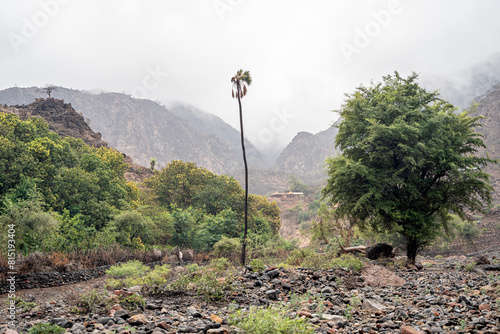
240, 82
408, 161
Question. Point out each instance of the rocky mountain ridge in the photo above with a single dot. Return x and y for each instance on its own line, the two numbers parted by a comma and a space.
142, 129
61, 117
306, 154
213, 125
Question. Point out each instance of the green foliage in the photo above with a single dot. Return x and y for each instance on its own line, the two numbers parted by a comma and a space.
227, 247
70, 176
211, 283
44, 328
192, 267
114, 284
177, 183
132, 268
347, 261
183, 222
132, 302
470, 266
307, 257
134, 273
74, 234
93, 301
303, 216
220, 264
328, 229
407, 162
34, 228
257, 265
131, 226
299, 256
205, 206
269, 320
296, 185
23, 305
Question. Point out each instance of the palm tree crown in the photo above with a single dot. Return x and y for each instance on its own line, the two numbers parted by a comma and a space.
240, 82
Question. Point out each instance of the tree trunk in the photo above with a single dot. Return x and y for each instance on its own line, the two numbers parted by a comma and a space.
244, 244
411, 250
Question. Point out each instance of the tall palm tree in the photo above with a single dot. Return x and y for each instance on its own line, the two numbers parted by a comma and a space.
240, 82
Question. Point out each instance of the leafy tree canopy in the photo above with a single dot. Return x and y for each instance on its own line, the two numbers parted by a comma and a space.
182, 185
408, 161
70, 175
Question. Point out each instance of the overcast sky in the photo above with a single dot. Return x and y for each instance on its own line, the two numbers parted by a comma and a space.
303, 55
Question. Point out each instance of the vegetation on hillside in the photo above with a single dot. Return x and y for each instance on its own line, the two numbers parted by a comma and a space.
63, 195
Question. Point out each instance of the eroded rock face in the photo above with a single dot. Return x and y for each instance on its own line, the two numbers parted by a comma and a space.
62, 119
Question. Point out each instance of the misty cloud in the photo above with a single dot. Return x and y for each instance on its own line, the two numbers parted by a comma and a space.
293, 50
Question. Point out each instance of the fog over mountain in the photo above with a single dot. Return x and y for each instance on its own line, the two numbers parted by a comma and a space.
303, 56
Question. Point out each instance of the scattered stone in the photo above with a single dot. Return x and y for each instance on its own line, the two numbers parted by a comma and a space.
121, 314
137, 320
216, 319
410, 330
371, 304
63, 322
184, 329
377, 276
272, 294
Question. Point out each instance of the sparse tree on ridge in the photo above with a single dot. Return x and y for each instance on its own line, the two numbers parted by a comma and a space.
240, 82
408, 162
48, 89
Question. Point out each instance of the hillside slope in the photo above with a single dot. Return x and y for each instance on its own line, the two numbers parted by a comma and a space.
213, 125
142, 129
306, 154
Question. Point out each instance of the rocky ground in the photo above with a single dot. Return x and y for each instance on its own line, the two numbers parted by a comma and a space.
441, 298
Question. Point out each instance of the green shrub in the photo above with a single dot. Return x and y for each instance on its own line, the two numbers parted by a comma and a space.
270, 320
470, 266
207, 282
114, 284
257, 265
157, 276
220, 264
227, 247
43, 328
303, 216
191, 268
298, 256
132, 302
132, 268
93, 301
347, 261
24, 306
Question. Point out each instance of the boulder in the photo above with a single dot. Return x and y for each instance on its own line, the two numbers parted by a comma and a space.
380, 250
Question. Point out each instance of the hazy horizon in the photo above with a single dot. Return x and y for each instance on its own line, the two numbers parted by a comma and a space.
303, 56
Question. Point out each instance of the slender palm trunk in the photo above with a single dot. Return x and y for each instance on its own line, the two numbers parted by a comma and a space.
244, 245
